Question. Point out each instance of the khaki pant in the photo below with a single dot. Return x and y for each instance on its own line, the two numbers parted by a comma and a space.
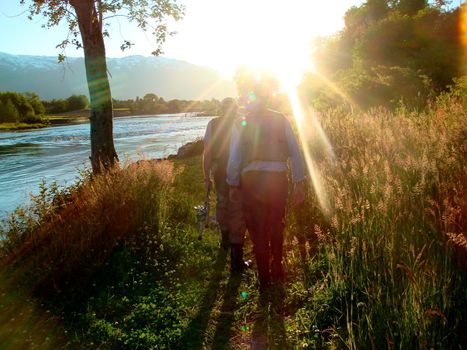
229, 214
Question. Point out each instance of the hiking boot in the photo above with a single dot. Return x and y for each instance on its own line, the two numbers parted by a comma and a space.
225, 240
237, 264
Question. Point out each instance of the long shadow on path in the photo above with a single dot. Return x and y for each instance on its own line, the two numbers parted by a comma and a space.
24, 324
268, 329
226, 319
193, 338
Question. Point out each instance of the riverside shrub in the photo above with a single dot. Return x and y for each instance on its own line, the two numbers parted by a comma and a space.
8, 112
15, 107
66, 233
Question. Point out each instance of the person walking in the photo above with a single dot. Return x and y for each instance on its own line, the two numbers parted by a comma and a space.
260, 145
215, 158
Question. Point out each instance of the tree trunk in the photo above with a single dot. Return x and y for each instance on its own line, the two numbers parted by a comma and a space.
103, 155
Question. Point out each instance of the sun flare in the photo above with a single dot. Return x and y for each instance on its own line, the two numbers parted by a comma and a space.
267, 36
262, 34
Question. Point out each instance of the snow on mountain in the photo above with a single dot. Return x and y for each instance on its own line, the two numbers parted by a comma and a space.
24, 61
129, 77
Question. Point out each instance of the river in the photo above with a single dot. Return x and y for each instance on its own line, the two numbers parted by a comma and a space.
58, 153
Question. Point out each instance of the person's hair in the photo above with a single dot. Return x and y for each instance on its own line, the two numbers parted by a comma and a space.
229, 106
255, 85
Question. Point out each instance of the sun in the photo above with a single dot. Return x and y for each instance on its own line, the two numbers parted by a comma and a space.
276, 38
276, 41
264, 34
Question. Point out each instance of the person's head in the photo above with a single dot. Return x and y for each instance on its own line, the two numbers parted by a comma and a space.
255, 88
229, 107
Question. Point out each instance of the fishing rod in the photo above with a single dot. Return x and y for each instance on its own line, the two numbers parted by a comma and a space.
202, 214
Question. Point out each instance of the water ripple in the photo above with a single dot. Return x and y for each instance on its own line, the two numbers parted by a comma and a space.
56, 153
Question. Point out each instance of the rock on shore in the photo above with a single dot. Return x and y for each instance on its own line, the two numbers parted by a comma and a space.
191, 149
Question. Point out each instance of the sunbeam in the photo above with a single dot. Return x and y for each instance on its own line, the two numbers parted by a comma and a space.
353, 105
463, 34
309, 127
203, 95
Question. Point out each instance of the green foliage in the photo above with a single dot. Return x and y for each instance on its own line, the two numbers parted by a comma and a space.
152, 104
20, 102
35, 103
145, 14
76, 102
72, 103
133, 309
458, 92
411, 7
389, 51
15, 107
149, 104
8, 112
56, 106
89, 20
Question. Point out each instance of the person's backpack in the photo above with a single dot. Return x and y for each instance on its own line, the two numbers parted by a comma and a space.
263, 138
220, 142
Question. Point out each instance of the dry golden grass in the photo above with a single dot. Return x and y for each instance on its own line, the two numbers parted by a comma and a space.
76, 232
397, 225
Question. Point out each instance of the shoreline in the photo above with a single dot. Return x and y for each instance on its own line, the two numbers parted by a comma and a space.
189, 149
82, 117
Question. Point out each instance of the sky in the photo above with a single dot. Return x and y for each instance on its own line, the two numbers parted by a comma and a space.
222, 34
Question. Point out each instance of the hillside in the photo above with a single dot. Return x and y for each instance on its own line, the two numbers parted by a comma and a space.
129, 76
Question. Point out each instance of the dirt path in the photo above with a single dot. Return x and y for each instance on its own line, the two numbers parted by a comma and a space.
232, 314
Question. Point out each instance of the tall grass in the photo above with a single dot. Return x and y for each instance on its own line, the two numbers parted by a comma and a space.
386, 272
66, 233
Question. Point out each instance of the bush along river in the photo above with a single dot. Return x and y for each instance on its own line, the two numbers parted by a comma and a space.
59, 153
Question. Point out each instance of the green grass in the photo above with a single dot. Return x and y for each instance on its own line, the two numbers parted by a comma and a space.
21, 126
124, 269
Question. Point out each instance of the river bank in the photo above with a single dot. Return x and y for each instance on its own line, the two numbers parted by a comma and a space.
58, 154
22, 126
67, 118
82, 117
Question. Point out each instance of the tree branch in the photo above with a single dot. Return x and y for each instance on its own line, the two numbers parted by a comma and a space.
113, 16
70, 13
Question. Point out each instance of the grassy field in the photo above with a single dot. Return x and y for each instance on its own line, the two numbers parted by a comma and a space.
115, 263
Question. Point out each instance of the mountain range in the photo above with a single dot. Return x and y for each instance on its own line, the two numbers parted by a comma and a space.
129, 77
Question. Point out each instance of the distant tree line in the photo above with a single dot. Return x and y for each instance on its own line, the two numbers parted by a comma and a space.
21, 108
72, 103
153, 104
390, 52
29, 108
